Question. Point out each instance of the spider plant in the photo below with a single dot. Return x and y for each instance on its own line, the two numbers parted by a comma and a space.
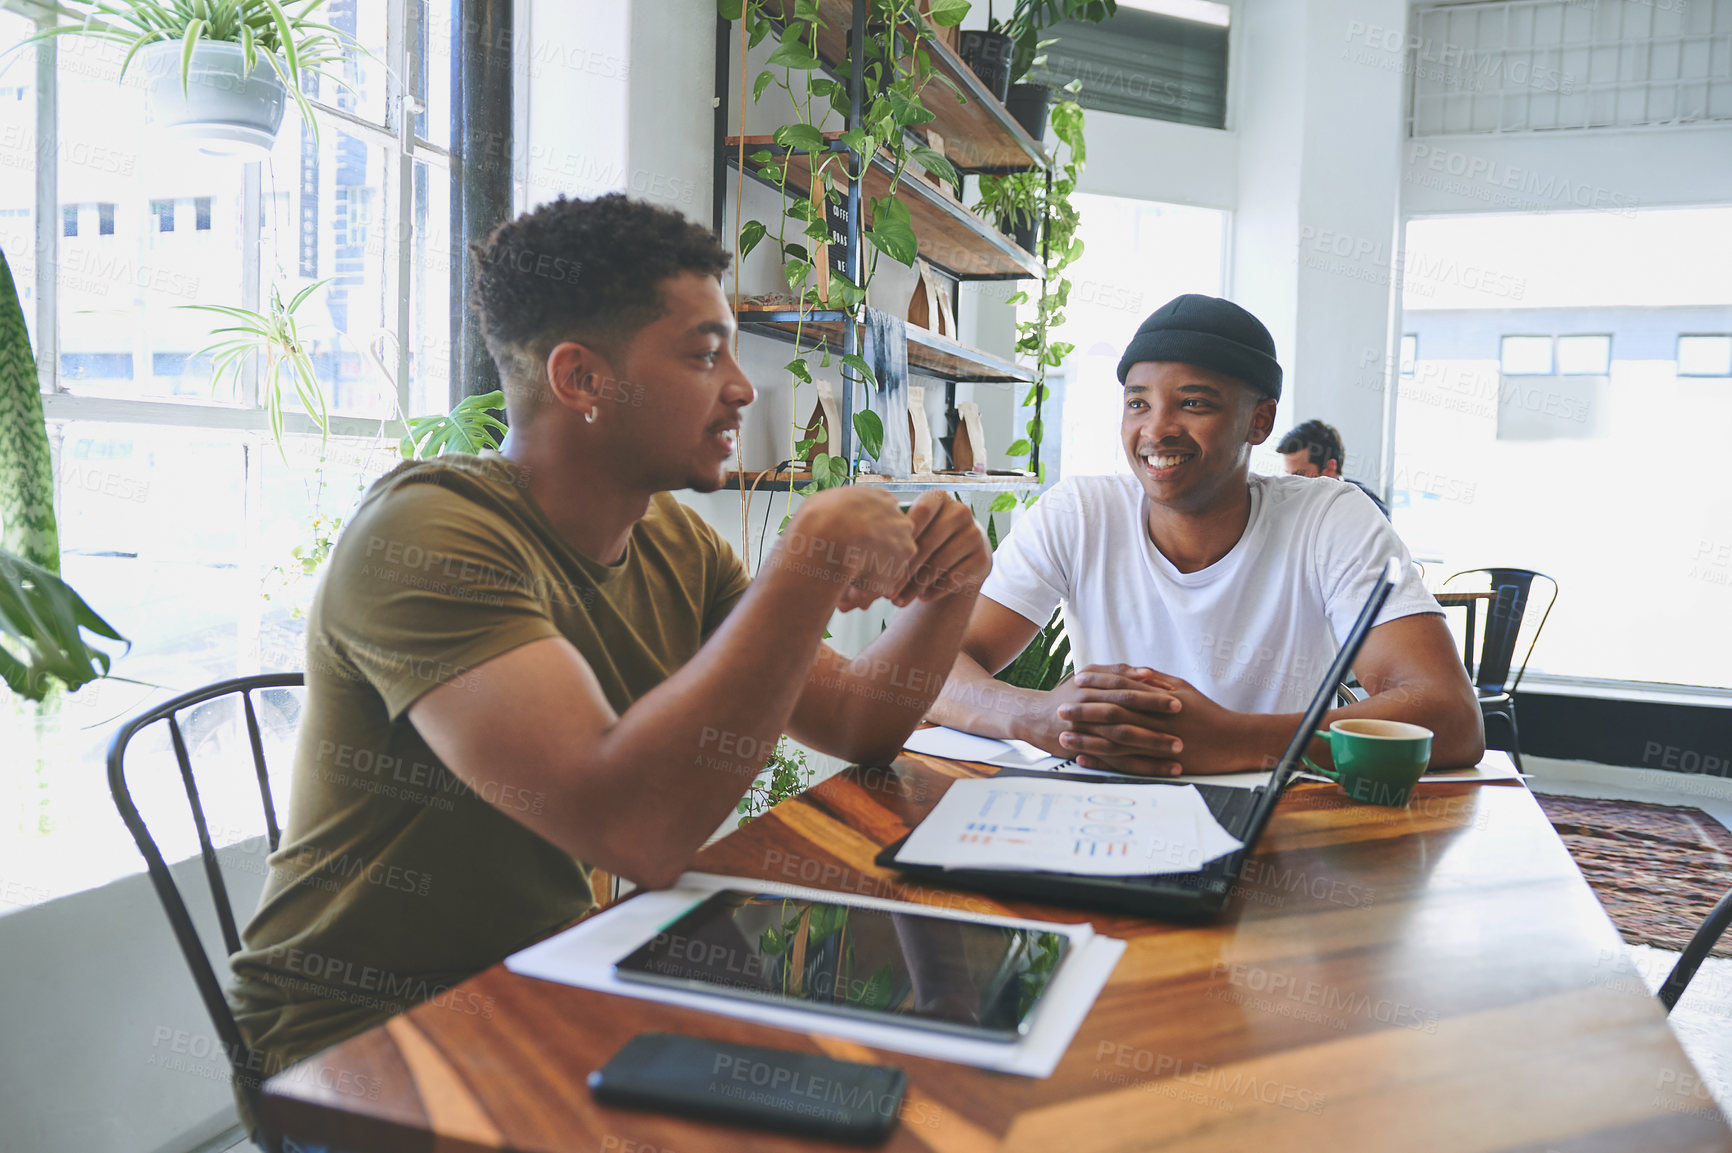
276, 336
283, 32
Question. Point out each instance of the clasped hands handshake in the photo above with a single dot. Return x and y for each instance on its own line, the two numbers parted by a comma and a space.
1128, 719
860, 538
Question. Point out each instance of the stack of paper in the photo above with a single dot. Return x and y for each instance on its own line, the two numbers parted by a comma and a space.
1094, 828
954, 745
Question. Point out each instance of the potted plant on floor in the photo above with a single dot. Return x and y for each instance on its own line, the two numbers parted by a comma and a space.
217, 71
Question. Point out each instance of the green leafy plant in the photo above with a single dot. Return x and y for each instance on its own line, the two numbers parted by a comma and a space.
469, 427
895, 72
1031, 17
1013, 200
42, 624
1060, 248
42, 619
786, 775
275, 335
1046, 662
281, 31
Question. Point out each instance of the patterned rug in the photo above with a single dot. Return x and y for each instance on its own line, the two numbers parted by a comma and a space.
1658, 869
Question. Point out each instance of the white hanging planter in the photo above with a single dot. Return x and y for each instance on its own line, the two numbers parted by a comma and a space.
223, 108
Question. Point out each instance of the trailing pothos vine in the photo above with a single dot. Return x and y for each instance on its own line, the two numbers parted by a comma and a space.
1028, 194
895, 72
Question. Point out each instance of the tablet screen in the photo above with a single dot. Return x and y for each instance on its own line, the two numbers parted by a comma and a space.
926, 970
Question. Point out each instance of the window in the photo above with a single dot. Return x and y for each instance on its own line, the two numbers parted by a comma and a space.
1700, 355
1147, 63
1503, 457
1584, 355
178, 515
1137, 255
1409, 353
1526, 356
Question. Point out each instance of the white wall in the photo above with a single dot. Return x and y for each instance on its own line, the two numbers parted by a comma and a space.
108, 1048
1601, 171
1142, 159
1318, 205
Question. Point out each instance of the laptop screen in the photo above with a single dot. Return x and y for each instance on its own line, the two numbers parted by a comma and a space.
1338, 670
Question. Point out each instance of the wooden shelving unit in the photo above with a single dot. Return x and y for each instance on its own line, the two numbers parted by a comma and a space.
952, 239
979, 136
771, 480
929, 354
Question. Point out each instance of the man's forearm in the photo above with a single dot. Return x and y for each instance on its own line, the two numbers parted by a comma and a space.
1458, 735
875, 700
701, 735
975, 702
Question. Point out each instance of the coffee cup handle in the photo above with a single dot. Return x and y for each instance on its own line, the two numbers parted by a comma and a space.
1332, 774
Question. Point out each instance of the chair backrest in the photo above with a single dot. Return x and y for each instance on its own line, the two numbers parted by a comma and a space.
1517, 593
242, 1060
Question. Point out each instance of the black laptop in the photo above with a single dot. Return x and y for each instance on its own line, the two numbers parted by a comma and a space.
1194, 896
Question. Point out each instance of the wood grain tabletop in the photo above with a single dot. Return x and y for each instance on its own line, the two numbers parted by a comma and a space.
1433, 978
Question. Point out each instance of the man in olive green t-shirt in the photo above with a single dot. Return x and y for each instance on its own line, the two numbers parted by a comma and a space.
521, 665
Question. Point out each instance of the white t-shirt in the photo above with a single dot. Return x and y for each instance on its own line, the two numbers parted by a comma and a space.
1254, 632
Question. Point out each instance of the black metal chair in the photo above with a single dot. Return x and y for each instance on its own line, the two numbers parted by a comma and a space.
1713, 925
246, 1065
1504, 620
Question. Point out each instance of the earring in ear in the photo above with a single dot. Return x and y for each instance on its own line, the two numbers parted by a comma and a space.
589, 417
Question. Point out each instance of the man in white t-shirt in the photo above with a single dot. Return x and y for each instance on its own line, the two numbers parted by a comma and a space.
1203, 604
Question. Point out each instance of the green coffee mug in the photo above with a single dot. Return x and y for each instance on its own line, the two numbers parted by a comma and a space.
1376, 762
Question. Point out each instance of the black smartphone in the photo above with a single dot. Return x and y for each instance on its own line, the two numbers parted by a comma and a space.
800, 1093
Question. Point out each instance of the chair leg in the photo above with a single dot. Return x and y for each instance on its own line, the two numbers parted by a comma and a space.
1695, 953
1515, 742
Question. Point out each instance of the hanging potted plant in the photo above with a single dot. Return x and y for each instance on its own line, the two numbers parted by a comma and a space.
1028, 101
217, 72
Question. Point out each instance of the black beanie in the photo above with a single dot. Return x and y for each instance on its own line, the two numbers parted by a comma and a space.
1210, 333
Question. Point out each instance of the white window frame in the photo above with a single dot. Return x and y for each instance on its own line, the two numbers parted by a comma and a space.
403, 147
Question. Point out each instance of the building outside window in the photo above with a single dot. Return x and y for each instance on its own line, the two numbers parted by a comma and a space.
1573, 422
180, 518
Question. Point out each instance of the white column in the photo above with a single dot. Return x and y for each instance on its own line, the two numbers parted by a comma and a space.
1316, 236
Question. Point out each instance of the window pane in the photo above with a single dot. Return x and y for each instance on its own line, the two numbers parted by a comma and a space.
1471, 496
18, 161
430, 317
1136, 256
183, 539
1526, 356
325, 209
433, 71
1584, 355
136, 259
1705, 356
1409, 353
363, 91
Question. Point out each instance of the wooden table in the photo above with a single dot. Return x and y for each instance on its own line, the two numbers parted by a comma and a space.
1470, 601
1437, 977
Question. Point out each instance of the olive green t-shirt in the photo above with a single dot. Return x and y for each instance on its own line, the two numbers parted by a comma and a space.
394, 880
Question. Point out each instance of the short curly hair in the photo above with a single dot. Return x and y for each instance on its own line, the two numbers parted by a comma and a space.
584, 270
